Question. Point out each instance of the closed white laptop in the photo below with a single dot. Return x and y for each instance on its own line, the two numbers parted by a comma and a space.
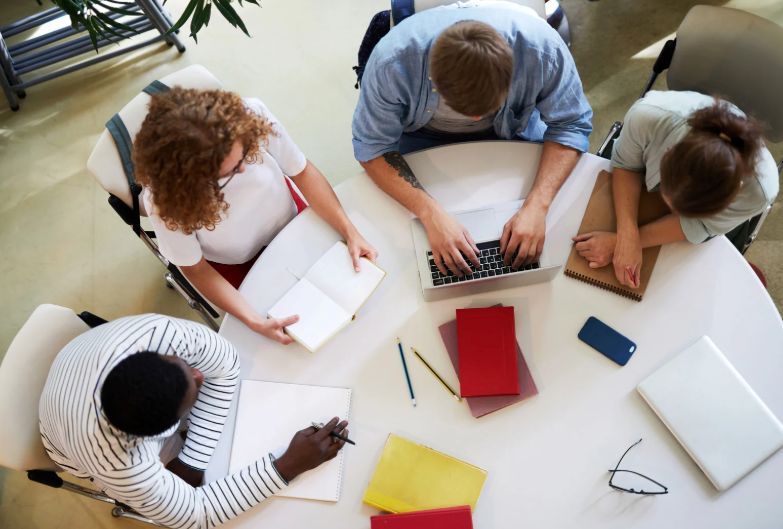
713, 412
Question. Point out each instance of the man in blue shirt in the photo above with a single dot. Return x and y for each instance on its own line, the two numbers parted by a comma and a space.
464, 72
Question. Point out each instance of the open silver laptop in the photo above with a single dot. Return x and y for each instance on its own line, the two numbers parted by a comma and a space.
485, 226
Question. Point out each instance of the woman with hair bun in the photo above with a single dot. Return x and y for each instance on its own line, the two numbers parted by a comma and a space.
215, 170
706, 159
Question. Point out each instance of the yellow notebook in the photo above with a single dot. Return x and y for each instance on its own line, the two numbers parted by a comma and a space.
412, 477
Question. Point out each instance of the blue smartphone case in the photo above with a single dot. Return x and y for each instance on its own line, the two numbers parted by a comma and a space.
607, 341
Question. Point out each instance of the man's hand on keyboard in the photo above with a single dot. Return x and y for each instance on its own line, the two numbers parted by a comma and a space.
523, 236
450, 242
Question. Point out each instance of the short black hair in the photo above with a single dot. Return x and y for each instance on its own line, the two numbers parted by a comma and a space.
143, 393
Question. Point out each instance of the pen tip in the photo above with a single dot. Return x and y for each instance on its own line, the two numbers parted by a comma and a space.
414, 403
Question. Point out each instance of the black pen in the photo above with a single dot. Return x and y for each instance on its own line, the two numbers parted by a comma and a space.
319, 425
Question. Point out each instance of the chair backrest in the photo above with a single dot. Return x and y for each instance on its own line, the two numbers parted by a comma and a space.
23, 374
735, 55
105, 163
402, 9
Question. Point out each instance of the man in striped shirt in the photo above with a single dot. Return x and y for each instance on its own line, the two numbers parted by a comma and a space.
116, 393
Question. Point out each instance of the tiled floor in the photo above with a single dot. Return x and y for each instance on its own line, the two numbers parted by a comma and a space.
61, 243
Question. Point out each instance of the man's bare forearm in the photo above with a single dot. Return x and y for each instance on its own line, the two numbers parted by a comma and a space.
394, 176
557, 162
398, 163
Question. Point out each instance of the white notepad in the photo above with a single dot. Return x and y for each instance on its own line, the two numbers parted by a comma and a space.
268, 416
327, 297
713, 412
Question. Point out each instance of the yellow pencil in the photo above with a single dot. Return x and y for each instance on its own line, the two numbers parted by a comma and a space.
431, 370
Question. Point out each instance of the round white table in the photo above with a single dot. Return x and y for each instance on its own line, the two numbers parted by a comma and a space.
547, 457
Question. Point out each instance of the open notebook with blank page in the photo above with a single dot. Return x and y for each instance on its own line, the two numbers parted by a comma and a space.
327, 297
268, 416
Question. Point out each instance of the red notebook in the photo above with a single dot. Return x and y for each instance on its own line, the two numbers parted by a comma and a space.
487, 344
480, 406
448, 518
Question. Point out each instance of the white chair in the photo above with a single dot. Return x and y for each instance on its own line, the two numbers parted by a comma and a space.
731, 54
23, 374
106, 165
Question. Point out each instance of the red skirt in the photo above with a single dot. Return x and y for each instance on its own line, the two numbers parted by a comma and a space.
235, 273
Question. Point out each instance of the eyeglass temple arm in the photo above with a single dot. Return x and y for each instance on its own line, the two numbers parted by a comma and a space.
664, 487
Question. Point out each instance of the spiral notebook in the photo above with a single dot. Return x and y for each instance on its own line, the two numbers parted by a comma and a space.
600, 216
268, 416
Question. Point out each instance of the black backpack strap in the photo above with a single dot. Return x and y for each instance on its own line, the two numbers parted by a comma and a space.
378, 28
122, 140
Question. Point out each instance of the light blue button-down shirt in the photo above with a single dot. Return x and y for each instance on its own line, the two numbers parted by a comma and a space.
545, 101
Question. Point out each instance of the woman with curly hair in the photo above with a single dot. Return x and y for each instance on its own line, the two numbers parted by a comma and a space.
709, 163
214, 167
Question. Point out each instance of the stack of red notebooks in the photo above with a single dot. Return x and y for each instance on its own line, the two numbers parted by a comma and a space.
448, 518
487, 345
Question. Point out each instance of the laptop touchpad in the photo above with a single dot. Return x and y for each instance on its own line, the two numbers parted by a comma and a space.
482, 224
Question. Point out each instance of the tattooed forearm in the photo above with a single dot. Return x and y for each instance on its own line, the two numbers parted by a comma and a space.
396, 160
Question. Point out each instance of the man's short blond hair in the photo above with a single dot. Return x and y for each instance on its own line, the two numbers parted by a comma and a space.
471, 66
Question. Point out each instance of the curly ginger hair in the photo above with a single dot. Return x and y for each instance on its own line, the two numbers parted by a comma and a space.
183, 141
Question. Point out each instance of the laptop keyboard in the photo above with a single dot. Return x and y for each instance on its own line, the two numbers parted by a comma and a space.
491, 266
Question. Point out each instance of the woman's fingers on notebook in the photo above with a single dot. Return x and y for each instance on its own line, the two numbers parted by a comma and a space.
582, 246
288, 320
357, 248
622, 274
355, 259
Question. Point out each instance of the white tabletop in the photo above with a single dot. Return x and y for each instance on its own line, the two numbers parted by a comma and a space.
547, 457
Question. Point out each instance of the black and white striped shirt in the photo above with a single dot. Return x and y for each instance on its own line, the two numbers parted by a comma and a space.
78, 437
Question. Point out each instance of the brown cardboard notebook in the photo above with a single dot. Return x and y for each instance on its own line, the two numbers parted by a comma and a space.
599, 216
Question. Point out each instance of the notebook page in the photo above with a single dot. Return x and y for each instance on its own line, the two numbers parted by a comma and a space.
319, 317
268, 416
333, 273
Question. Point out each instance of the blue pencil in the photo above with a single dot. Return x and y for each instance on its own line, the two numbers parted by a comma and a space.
405, 368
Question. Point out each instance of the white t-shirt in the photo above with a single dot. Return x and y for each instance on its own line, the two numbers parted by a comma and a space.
446, 119
260, 205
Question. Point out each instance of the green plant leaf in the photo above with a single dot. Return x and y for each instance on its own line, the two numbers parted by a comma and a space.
207, 13
116, 9
92, 31
106, 19
95, 16
197, 20
224, 6
185, 16
107, 32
